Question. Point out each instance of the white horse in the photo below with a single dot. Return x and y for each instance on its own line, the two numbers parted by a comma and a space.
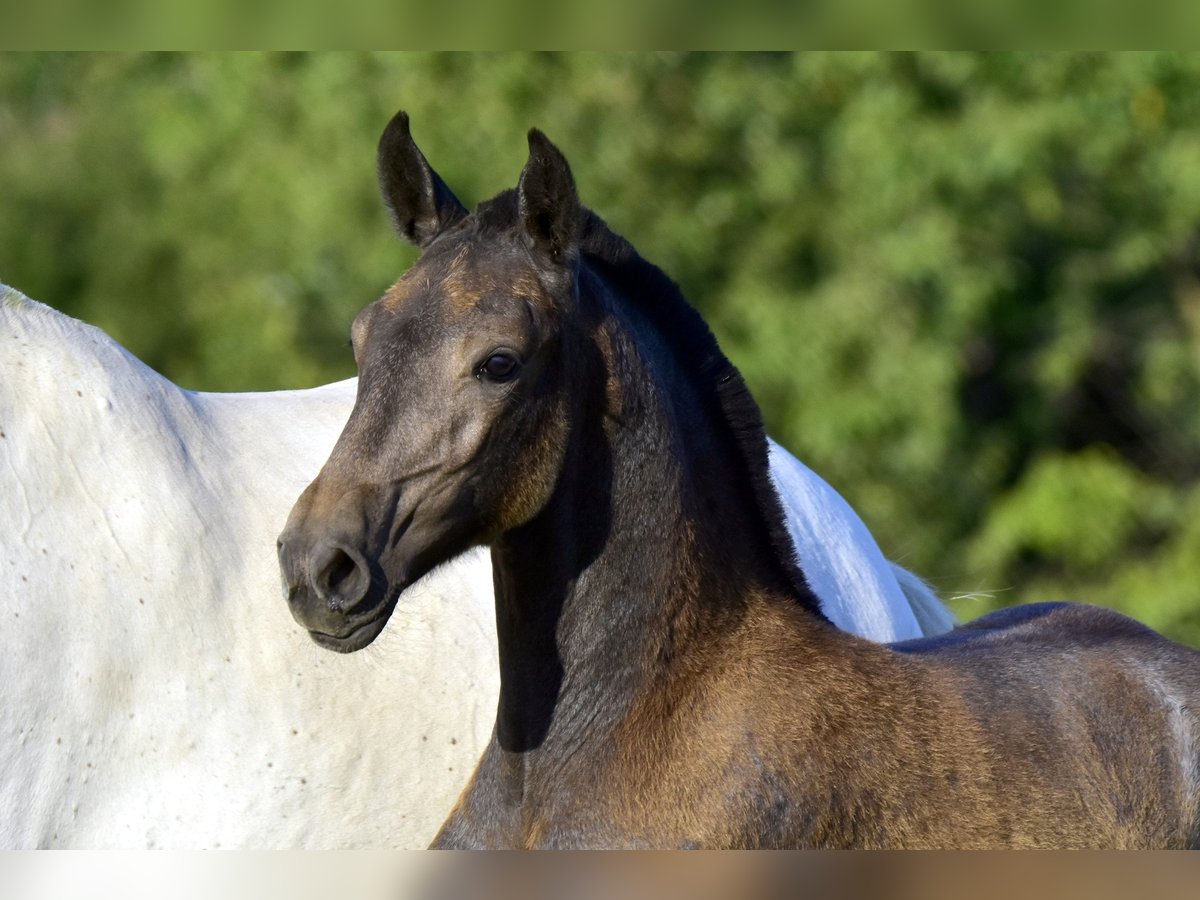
154, 690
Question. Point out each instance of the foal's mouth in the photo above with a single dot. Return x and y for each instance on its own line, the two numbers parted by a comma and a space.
360, 635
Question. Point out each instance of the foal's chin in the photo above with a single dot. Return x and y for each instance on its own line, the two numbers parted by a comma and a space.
361, 634
355, 640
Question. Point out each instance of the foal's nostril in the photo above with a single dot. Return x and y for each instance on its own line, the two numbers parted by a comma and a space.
340, 573
339, 578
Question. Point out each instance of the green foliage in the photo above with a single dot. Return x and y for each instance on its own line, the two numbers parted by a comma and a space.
964, 287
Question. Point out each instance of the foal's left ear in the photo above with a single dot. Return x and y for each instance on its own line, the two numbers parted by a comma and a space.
548, 203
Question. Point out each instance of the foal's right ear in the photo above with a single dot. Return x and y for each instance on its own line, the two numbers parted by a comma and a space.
421, 205
548, 202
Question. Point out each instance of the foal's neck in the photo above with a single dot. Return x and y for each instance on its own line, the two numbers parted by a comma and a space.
649, 553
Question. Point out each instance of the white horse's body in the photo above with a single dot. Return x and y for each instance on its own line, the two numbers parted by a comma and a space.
154, 690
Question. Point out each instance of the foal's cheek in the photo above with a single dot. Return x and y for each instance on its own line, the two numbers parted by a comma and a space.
531, 468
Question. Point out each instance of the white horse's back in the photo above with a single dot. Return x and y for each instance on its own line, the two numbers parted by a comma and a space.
154, 690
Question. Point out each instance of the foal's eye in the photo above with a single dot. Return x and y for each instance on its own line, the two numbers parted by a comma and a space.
499, 367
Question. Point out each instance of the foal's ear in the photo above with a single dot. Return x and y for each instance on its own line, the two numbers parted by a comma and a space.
548, 203
421, 205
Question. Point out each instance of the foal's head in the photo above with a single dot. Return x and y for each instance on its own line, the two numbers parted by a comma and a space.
460, 423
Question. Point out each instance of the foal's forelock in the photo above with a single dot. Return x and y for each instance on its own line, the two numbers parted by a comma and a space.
470, 269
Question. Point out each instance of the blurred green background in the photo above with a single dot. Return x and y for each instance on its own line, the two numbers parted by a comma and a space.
965, 288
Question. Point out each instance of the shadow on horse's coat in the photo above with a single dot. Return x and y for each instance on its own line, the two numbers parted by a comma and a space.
667, 677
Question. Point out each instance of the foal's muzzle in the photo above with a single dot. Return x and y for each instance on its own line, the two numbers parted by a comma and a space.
328, 584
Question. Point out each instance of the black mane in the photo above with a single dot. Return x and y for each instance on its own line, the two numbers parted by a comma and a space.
721, 385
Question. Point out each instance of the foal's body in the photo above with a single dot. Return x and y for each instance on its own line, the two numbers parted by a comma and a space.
687, 693
667, 678
965, 752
